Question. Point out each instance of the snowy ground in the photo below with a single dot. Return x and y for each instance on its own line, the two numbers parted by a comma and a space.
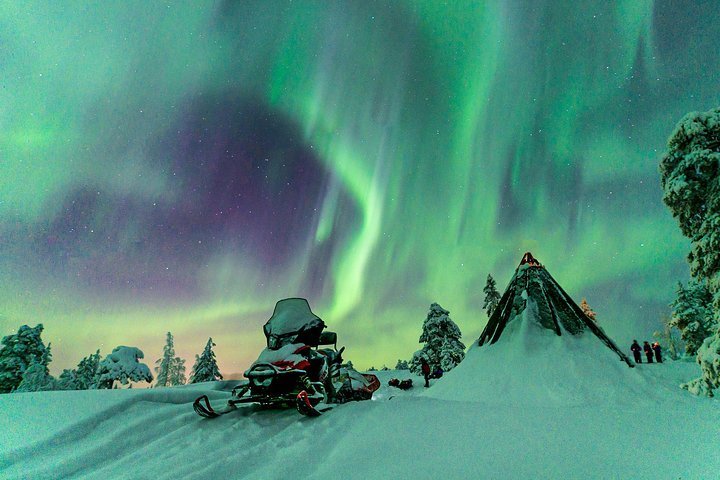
548, 418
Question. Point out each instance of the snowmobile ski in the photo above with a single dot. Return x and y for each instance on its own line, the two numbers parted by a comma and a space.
202, 407
207, 411
305, 407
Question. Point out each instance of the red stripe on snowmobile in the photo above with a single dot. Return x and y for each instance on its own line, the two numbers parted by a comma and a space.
374, 382
302, 349
289, 365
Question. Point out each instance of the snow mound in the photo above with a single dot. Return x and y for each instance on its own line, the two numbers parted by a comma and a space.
532, 365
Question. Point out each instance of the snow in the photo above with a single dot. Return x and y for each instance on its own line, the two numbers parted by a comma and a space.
123, 365
285, 353
532, 405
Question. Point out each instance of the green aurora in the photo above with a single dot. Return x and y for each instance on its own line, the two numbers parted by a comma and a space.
182, 166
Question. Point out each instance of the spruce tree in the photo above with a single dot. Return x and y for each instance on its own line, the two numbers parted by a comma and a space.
587, 310
87, 370
177, 373
18, 352
68, 380
402, 365
492, 297
81, 377
441, 336
36, 378
692, 314
170, 369
205, 368
689, 177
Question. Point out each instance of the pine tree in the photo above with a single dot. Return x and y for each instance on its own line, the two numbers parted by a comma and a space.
87, 370
587, 310
37, 378
443, 348
170, 369
692, 314
18, 352
689, 178
402, 365
83, 376
68, 380
177, 373
122, 365
492, 296
205, 368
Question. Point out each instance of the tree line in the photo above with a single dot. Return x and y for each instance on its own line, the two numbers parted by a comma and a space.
25, 360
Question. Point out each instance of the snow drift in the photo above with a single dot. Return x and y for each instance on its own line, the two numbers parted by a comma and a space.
155, 434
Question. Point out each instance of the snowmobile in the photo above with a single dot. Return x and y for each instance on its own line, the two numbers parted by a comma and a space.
293, 370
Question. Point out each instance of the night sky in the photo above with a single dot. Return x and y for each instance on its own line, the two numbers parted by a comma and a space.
181, 166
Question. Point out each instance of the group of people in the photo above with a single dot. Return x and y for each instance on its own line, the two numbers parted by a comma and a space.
651, 351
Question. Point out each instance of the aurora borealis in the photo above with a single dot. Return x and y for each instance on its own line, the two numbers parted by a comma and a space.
181, 166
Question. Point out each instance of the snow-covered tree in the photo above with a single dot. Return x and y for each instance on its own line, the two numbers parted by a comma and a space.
122, 365
87, 370
692, 314
441, 337
68, 380
492, 297
689, 177
587, 310
708, 357
170, 369
18, 352
83, 376
402, 365
37, 378
205, 368
177, 376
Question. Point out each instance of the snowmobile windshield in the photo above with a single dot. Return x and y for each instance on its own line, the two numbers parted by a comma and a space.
293, 322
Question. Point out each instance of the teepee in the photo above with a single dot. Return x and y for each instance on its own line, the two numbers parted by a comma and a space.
556, 311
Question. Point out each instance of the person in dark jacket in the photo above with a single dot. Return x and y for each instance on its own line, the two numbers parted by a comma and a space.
425, 371
635, 347
648, 352
658, 352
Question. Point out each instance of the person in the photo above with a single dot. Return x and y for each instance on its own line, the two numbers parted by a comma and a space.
438, 373
635, 347
658, 352
648, 352
425, 371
